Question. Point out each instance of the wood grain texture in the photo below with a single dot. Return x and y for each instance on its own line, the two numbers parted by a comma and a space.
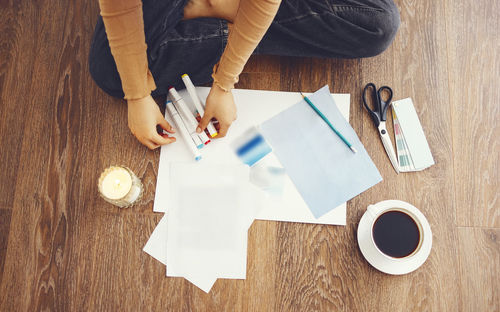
411, 71
47, 188
474, 63
479, 267
62, 248
262, 64
259, 81
16, 61
5, 215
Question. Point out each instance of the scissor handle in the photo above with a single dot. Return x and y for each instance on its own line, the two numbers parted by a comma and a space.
374, 113
384, 104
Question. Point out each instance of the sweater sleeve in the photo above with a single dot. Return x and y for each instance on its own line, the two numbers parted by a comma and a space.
250, 24
124, 25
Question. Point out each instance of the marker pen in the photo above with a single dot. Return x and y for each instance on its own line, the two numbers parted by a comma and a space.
188, 117
179, 125
197, 103
184, 113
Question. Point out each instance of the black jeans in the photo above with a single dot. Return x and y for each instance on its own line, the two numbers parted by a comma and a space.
304, 28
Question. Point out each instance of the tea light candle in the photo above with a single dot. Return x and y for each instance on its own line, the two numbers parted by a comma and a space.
119, 186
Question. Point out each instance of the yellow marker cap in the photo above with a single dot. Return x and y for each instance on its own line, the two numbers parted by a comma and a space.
185, 75
214, 135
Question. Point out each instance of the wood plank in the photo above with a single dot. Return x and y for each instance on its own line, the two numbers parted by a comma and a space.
5, 215
474, 62
51, 181
418, 71
16, 63
479, 267
259, 81
262, 64
259, 291
114, 272
304, 74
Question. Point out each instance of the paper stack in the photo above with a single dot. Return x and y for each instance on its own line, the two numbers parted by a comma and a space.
203, 236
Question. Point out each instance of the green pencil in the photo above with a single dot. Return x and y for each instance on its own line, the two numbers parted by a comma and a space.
328, 122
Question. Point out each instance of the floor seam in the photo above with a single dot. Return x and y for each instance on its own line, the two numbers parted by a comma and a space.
477, 227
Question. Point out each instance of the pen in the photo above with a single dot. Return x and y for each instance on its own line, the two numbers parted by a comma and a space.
183, 131
188, 118
197, 103
328, 122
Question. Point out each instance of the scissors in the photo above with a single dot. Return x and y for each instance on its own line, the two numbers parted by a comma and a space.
379, 117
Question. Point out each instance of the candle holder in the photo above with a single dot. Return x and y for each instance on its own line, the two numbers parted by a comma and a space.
119, 186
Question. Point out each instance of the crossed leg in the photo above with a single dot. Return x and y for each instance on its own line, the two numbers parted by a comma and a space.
190, 37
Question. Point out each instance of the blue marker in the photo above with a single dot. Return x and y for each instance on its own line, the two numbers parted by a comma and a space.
251, 147
254, 150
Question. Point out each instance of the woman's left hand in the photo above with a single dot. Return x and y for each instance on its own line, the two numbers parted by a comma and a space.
219, 105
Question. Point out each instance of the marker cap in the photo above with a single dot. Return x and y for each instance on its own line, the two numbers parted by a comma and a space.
175, 95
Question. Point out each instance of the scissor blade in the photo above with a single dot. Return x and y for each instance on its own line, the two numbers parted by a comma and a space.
389, 149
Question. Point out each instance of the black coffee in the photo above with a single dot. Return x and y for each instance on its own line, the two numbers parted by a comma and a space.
396, 234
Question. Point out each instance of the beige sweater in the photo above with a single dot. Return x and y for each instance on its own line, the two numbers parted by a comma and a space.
124, 25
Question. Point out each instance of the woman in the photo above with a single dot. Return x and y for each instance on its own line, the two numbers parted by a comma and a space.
140, 48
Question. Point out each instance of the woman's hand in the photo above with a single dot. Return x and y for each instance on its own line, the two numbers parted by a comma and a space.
143, 117
219, 105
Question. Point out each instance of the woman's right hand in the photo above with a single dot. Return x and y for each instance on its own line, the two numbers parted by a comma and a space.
143, 117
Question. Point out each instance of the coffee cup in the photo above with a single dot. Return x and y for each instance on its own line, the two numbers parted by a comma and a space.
394, 237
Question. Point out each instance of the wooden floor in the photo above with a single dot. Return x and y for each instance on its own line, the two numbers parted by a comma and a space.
62, 248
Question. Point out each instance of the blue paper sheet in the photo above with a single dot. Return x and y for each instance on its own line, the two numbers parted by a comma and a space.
324, 170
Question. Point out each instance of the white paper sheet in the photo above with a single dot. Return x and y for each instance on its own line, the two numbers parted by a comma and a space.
254, 107
156, 245
205, 280
206, 220
211, 209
